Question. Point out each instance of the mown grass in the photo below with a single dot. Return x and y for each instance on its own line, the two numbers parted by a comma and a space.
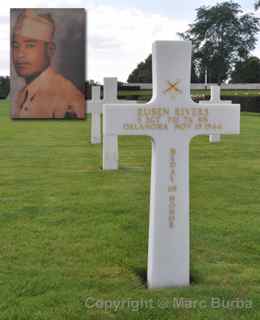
74, 236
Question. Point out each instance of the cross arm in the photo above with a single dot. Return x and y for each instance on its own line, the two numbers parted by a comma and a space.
94, 106
221, 118
206, 119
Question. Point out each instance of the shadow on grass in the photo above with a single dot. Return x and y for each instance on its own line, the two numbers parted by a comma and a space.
141, 274
195, 278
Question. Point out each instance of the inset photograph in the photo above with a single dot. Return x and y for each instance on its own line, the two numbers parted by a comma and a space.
48, 50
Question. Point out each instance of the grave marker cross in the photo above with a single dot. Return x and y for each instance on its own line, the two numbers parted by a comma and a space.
215, 99
95, 107
171, 119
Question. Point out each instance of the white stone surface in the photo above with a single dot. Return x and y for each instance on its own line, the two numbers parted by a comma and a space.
215, 98
95, 107
171, 119
110, 90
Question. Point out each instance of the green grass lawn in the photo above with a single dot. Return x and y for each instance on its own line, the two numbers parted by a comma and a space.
74, 237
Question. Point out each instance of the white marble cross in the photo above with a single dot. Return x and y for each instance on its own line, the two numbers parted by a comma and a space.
95, 107
215, 99
171, 119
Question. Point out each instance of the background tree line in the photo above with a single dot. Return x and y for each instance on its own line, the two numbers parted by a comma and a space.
4, 87
222, 38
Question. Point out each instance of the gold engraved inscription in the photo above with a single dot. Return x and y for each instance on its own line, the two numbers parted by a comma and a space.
137, 126
160, 118
193, 118
172, 187
150, 118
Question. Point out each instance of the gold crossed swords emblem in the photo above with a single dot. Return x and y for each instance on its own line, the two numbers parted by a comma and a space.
173, 87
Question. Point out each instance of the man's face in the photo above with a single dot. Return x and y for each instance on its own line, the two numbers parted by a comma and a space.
30, 56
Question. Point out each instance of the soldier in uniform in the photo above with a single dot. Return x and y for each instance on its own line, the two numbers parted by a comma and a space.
47, 94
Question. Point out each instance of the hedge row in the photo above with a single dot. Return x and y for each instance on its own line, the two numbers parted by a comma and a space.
247, 104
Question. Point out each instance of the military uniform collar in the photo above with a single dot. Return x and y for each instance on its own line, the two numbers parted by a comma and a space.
40, 82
